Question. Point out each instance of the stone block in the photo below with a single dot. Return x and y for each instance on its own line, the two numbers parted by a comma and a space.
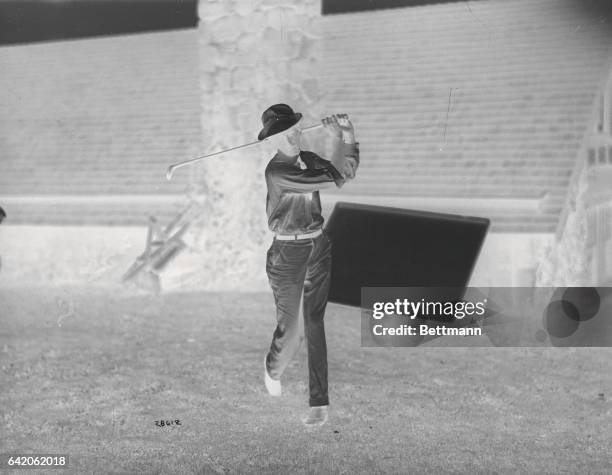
242, 77
308, 48
275, 19
223, 81
301, 69
207, 81
208, 58
224, 30
248, 54
212, 10
271, 4
256, 22
245, 9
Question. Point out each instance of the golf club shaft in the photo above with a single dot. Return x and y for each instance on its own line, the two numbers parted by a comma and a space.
175, 166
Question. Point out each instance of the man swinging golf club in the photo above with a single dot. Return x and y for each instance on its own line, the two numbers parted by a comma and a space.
299, 259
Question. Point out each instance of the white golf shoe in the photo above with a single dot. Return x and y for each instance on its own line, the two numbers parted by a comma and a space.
272, 385
317, 416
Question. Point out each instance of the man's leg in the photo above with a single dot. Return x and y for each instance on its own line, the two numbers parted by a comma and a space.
316, 289
286, 268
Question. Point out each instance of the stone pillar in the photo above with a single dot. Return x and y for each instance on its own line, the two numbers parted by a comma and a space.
252, 54
582, 253
598, 199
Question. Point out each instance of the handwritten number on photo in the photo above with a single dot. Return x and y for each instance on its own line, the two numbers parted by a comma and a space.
164, 423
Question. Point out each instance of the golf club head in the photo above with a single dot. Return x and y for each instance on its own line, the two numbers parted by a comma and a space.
169, 173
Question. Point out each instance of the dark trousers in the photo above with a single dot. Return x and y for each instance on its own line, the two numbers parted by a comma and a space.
294, 267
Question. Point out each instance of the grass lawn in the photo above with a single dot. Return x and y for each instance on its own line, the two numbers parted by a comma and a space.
87, 373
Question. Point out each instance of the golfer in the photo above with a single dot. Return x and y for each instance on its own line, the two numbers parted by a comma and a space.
299, 259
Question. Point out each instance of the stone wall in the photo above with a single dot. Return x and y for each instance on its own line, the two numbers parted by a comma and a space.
566, 261
582, 252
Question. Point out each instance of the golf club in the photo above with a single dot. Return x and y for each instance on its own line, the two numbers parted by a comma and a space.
175, 166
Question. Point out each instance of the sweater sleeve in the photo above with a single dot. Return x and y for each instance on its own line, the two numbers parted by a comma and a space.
345, 154
290, 178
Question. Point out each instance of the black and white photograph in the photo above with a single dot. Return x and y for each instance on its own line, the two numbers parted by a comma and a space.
310, 237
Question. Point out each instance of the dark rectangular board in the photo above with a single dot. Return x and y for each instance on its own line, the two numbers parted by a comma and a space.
379, 246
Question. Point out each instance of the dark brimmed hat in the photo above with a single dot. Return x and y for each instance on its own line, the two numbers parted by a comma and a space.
277, 118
